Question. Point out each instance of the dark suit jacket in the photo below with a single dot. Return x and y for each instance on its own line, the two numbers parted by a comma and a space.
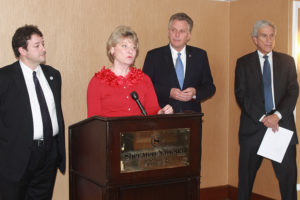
160, 67
249, 91
16, 123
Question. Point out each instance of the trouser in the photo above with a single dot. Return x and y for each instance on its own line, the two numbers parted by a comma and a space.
38, 180
286, 172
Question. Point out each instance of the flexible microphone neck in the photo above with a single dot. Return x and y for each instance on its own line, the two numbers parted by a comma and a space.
135, 97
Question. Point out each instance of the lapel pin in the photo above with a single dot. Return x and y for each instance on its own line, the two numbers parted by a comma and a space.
190, 55
51, 78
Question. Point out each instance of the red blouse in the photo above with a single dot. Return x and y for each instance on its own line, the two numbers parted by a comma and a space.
109, 95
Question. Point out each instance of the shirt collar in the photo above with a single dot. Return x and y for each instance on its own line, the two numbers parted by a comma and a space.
27, 71
174, 52
261, 55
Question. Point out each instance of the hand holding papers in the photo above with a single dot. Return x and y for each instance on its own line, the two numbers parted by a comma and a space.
274, 145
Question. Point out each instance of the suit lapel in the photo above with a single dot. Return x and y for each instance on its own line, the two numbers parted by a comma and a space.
170, 66
20, 83
19, 79
52, 81
188, 67
276, 73
22, 90
257, 72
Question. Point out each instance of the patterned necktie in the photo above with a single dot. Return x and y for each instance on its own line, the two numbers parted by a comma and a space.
179, 70
267, 85
47, 124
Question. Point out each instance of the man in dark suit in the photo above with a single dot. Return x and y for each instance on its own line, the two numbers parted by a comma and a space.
32, 144
180, 73
266, 90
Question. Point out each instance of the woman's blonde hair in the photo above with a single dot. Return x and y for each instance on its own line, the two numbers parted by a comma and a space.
119, 33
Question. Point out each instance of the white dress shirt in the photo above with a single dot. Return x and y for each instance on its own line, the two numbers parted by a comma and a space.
182, 56
34, 103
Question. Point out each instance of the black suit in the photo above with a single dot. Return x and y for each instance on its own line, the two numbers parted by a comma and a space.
249, 91
16, 122
160, 67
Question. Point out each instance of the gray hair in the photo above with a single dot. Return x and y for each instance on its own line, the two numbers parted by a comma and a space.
261, 23
119, 33
182, 17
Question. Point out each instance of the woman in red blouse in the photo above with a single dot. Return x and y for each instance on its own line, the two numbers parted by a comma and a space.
109, 90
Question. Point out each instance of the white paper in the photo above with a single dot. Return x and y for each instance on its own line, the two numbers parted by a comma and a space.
274, 145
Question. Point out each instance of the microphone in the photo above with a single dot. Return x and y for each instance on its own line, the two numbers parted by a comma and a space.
135, 97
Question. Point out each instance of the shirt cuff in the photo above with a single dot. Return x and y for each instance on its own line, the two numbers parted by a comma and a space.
262, 117
278, 115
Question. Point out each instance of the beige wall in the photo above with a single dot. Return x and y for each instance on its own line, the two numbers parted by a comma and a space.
76, 31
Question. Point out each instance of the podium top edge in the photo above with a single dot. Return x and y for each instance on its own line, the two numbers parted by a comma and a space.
163, 116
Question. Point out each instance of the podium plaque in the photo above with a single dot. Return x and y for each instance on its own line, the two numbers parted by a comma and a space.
135, 158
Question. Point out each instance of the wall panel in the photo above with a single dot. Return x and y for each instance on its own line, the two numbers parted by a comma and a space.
75, 34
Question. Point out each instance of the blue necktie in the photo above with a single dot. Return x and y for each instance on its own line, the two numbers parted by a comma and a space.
47, 124
267, 85
179, 70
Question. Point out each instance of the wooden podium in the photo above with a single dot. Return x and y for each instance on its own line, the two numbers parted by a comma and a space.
136, 158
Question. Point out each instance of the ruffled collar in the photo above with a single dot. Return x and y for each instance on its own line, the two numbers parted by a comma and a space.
110, 78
